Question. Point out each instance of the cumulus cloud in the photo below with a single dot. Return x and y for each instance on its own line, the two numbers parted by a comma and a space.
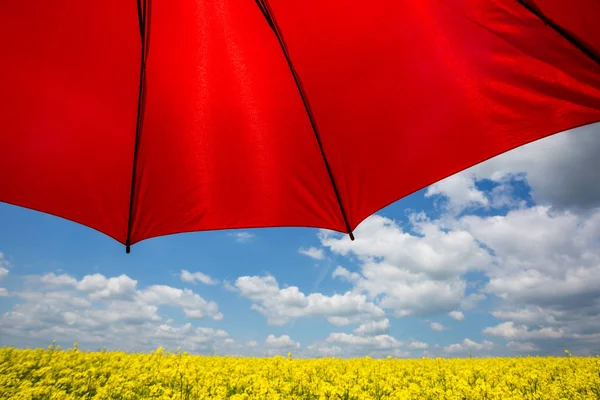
469, 345
3, 274
98, 310
193, 305
546, 272
229, 287
190, 337
411, 274
472, 300
98, 286
437, 327
430, 251
313, 252
382, 341
58, 280
381, 345
546, 268
373, 327
509, 330
193, 277
122, 287
522, 347
325, 350
279, 305
456, 315
546, 257
281, 342
4, 264
460, 191
534, 315
343, 273
415, 344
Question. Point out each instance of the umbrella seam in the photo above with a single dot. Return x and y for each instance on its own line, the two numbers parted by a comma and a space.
561, 31
143, 7
265, 9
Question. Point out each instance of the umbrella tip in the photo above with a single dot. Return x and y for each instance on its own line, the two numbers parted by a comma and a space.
351, 236
127, 249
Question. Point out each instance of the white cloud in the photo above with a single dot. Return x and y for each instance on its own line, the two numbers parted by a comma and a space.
229, 287
189, 337
425, 297
280, 305
522, 347
193, 305
469, 345
281, 345
98, 286
58, 280
546, 264
461, 192
432, 251
411, 274
97, 310
242, 237
437, 327
325, 350
415, 344
456, 315
472, 300
67, 315
546, 275
3, 274
122, 287
192, 277
366, 342
538, 238
313, 252
4, 266
345, 274
281, 342
509, 330
373, 327
534, 315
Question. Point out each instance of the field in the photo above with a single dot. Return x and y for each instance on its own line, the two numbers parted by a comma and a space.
54, 373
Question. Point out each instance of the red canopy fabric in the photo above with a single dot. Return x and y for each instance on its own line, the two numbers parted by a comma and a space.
275, 113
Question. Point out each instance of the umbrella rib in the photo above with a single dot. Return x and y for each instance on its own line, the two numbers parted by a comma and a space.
574, 41
143, 7
265, 9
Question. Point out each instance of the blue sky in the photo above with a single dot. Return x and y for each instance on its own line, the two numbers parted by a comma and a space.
501, 259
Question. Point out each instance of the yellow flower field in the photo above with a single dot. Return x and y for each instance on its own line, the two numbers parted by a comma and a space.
72, 374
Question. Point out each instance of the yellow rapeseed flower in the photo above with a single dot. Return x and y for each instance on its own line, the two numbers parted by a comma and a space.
54, 373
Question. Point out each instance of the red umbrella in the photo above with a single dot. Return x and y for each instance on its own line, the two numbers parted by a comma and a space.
167, 116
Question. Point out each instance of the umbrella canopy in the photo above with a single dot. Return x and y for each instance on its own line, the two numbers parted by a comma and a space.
165, 116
